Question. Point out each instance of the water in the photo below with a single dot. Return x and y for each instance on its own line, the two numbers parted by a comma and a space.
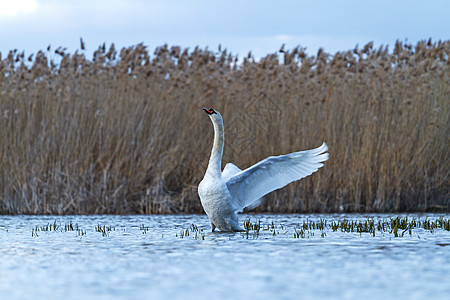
157, 261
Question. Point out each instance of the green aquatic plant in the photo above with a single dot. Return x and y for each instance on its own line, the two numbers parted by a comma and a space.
144, 228
444, 224
58, 228
193, 230
253, 230
299, 233
104, 229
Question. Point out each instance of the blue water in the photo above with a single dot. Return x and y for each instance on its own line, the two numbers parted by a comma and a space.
149, 257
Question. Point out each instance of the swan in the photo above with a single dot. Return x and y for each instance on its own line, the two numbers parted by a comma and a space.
225, 193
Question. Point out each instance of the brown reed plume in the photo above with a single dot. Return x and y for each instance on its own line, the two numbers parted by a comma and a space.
123, 132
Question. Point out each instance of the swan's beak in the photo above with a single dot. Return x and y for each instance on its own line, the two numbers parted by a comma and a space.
209, 111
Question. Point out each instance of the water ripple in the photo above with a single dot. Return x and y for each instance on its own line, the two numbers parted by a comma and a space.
150, 257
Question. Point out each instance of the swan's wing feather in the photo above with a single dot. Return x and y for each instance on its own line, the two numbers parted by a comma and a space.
248, 186
229, 170
253, 205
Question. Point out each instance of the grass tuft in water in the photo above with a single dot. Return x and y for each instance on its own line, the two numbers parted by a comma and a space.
144, 228
196, 232
55, 227
104, 230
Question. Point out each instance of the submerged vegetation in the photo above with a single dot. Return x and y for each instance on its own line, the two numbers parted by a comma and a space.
123, 132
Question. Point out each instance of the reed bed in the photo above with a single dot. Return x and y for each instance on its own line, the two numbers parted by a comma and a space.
123, 132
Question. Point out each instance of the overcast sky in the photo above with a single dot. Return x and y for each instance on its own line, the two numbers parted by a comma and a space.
240, 26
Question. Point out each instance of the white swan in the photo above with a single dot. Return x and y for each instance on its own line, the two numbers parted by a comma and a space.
224, 194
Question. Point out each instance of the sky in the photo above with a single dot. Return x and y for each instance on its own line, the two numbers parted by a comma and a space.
239, 26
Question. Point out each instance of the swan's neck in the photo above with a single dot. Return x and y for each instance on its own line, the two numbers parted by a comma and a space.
215, 161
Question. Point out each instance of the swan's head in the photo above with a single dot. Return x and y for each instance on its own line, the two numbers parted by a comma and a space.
210, 111
214, 115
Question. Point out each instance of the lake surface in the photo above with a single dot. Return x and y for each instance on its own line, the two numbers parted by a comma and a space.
152, 257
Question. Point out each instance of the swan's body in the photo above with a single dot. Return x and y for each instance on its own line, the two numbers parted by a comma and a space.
224, 194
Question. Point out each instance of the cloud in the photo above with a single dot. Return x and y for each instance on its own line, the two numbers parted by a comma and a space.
13, 8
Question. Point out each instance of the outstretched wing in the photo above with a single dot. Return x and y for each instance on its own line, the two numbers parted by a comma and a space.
272, 173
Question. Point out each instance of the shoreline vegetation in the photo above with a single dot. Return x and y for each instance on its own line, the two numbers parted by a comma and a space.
123, 132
